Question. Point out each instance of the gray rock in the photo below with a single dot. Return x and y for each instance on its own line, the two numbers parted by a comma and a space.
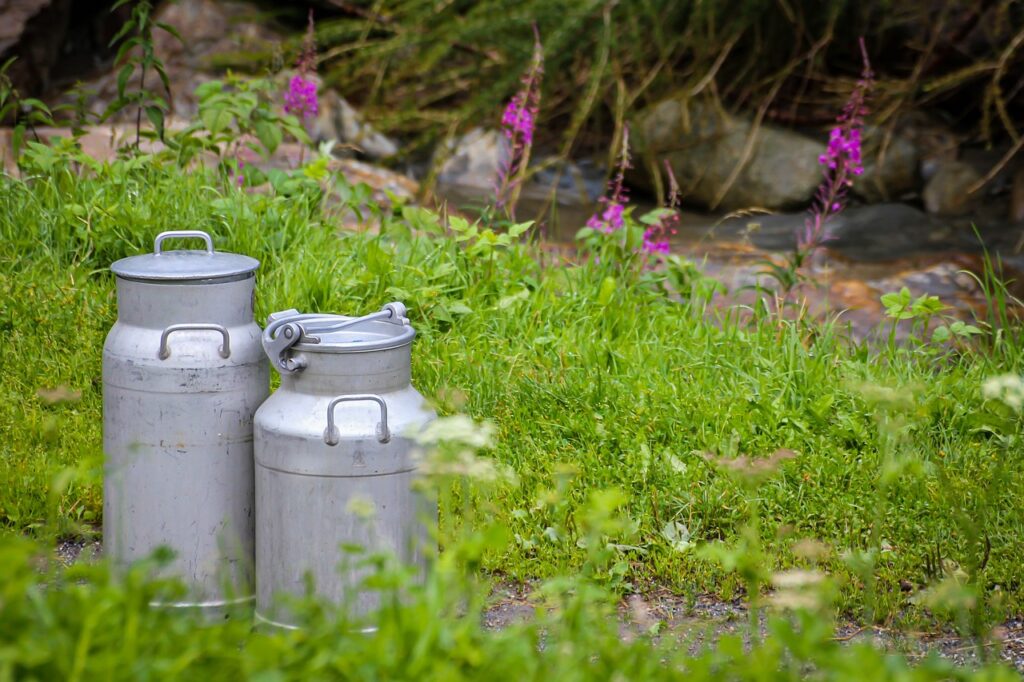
874, 233
946, 191
895, 176
339, 120
472, 165
703, 145
473, 160
34, 31
16, 15
579, 183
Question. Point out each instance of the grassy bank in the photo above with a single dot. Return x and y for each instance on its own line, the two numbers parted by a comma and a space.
595, 379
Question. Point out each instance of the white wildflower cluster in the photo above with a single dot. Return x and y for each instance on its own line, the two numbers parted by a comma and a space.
1007, 389
448, 448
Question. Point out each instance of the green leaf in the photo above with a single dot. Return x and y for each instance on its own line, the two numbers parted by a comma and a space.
519, 228
422, 219
460, 308
35, 104
964, 330
170, 29
156, 117
164, 80
941, 334
269, 135
112, 108
512, 299
216, 117
206, 90
656, 216
17, 139
926, 306
399, 293
123, 50
897, 303
316, 170
604, 295
467, 235
122, 78
125, 28
441, 313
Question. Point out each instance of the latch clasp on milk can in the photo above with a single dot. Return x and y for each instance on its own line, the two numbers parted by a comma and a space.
289, 327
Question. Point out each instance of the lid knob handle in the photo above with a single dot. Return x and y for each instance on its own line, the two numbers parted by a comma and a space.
182, 234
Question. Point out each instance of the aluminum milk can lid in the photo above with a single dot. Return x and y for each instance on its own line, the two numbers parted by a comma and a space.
185, 265
320, 333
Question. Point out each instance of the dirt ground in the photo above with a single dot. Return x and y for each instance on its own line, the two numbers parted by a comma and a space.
707, 618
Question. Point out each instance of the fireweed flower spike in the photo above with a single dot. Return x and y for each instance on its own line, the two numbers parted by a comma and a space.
840, 163
301, 97
656, 237
610, 218
517, 125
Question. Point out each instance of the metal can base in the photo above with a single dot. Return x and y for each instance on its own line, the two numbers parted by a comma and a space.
213, 611
263, 621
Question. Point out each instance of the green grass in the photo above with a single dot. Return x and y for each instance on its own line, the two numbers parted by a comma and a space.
591, 387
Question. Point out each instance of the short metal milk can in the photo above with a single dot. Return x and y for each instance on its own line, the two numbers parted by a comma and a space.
334, 457
183, 374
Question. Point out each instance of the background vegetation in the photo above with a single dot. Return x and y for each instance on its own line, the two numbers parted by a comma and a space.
424, 68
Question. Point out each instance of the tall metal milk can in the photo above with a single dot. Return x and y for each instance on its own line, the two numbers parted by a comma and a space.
183, 374
334, 457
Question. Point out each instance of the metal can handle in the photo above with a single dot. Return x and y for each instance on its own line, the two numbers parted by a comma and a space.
331, 434
182, 234
165, 350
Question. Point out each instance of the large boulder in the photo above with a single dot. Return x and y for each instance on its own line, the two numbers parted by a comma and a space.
211, 29
703, 144
338, 120
947, 190
56, 42
16, 14
470, 167
891, 167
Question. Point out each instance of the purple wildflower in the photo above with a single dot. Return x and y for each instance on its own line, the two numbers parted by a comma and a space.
301, 96
240, 177
841, 161
518, 120
517, 125
610, 218
655, 242
300, 99
656, 237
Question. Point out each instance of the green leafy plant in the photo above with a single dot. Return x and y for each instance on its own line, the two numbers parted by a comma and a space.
25, 112
136, 52
922, 310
